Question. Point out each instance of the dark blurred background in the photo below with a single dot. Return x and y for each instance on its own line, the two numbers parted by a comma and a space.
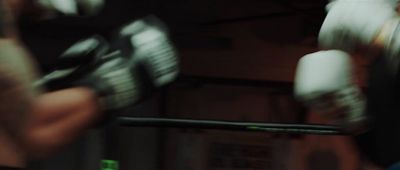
238, 59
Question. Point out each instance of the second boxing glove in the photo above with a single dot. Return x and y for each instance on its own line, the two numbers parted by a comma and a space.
148, 42
324, 82
354, 22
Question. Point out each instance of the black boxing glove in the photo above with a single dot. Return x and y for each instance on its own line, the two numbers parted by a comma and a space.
75, 62
120, 77
86, 63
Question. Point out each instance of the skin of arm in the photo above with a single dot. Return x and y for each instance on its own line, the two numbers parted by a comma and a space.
58, 118
382, 36
34, 124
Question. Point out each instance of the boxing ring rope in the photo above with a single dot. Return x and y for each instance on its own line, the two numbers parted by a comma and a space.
284, 128
110, 155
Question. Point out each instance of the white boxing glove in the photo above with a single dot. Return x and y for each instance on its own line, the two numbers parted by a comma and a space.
73, 7
393, 3
350, 23
153, 49
324, 82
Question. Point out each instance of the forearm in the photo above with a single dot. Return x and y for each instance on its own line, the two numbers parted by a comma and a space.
60, 117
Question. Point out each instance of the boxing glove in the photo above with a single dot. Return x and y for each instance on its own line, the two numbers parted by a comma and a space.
87, 64
324, 82
121, 78
350, 23
74, 62
72, 7
148, 43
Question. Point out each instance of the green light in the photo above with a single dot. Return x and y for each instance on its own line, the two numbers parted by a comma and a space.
109, 165
254, 127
